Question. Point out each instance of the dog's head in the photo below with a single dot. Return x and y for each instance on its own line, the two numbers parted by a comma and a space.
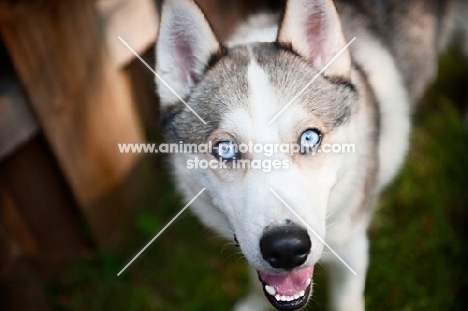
278, 214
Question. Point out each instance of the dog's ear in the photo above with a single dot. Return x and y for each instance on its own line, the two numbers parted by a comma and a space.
313, 29
184, 46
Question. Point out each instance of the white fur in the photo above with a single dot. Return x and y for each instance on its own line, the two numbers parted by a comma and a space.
247, 215
346, 291
387, 84
259, 206
263, 103
349, 238
258, 28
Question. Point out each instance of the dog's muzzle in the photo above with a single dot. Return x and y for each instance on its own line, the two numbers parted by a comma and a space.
286, 248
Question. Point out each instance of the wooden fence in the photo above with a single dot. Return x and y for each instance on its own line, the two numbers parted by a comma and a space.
70, 91
68, 96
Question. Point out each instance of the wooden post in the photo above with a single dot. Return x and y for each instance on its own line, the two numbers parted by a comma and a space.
19, 288
17, 124
79, 97
37, 208
136, 21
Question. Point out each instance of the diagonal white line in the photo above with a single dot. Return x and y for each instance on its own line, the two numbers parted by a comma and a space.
161, 79
160, 232
318, 237
311, 81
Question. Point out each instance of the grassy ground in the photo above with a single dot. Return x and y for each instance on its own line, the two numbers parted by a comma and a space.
418, 238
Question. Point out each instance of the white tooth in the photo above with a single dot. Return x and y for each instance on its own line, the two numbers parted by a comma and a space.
308, 282
277, 297
283, 298
296, 296
290, 298
270, 290
302, 293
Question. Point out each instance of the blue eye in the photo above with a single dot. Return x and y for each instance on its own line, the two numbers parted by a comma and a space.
225, 150
310, 139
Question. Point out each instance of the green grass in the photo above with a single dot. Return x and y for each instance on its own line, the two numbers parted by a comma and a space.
419, 237
419, 253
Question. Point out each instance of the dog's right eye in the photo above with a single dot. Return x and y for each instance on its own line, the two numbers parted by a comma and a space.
225, 150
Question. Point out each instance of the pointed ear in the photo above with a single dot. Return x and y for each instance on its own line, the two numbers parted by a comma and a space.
183, 49
313, 29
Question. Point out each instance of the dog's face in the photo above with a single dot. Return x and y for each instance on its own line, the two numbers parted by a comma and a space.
275, 202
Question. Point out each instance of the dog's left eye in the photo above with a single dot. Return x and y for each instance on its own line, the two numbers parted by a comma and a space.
310, 139
225, 150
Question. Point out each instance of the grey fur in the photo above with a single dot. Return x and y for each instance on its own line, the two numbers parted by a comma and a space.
415, 31
415, 51
224, 87
289, 73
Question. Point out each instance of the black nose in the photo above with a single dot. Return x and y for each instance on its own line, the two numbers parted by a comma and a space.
285, 247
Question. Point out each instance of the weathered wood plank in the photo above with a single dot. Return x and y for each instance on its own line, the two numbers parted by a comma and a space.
37, 206
17, 124
79, 97
141, 81
135, 21
16, 224
19, 288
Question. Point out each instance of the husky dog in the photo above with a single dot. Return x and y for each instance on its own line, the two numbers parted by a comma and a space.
241, 88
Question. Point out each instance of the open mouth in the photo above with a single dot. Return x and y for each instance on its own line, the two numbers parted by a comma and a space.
289, 291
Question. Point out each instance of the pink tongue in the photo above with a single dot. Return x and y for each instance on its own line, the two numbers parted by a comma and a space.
288, 284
